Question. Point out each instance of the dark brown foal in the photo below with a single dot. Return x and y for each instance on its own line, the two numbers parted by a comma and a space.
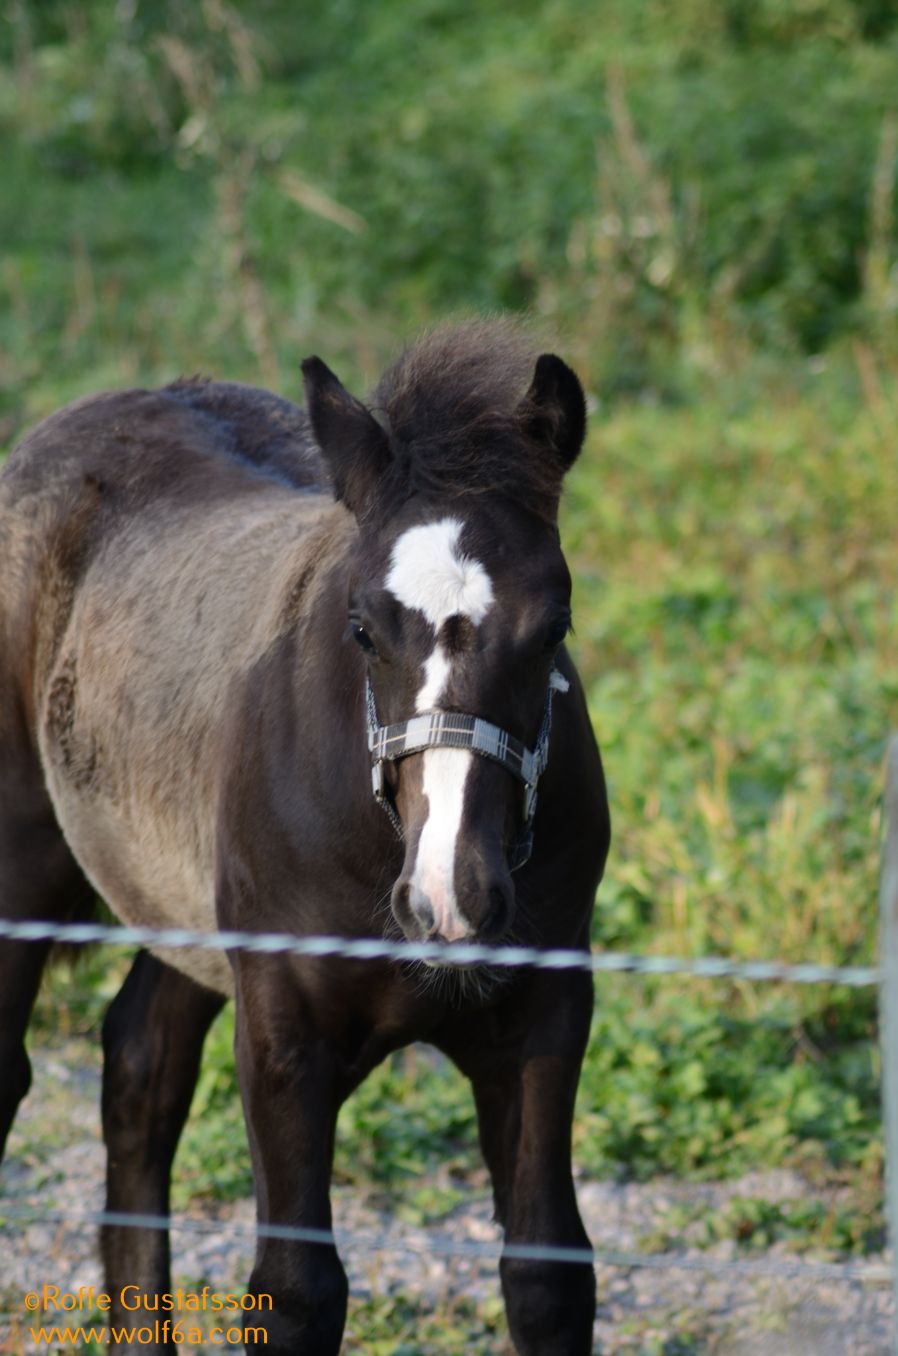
273, 669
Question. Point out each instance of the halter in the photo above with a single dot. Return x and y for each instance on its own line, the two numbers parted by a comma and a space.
452, 730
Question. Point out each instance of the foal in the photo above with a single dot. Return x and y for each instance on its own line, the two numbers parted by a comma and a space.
220, 618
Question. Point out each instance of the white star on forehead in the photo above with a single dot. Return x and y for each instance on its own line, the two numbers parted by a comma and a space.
430, 573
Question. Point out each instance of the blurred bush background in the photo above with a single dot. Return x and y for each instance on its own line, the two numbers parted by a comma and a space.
697, 202
224, 184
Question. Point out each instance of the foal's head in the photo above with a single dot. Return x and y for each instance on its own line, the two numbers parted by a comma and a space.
459, 596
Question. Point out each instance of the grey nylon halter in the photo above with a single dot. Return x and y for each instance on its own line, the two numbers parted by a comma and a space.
453, 730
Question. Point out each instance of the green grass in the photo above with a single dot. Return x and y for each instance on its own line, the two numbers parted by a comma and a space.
699, 201
737, 628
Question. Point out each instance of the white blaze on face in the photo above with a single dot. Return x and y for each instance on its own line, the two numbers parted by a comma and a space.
436, 675
429, 573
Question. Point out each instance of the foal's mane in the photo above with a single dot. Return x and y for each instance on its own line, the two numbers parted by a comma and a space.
454, 405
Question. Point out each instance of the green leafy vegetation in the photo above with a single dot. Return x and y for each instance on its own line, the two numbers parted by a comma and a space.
402, 1326
699, 201
753, 1222
222, 185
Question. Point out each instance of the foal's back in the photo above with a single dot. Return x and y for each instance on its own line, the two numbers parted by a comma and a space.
149, 541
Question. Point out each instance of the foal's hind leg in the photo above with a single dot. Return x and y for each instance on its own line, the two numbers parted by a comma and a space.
39, 879
152, 1043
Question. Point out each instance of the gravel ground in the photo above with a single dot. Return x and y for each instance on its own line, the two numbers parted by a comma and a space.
55, 1161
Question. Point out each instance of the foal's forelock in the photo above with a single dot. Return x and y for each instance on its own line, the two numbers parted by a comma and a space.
429, 573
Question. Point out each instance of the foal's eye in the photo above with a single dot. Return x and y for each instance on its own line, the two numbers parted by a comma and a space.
557, 632
361, 637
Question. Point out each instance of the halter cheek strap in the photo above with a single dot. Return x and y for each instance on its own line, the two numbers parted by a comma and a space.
453, 730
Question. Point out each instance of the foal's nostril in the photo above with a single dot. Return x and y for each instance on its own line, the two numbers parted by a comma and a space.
496, 914
422, 909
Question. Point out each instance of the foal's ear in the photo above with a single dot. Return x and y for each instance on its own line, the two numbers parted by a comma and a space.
355, 446
554, 410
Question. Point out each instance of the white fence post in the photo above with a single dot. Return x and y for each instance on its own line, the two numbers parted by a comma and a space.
888, 1009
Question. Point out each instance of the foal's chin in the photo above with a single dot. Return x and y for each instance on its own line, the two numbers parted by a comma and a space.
448, 980
456, 984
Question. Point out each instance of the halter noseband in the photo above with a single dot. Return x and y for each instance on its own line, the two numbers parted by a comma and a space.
452, 730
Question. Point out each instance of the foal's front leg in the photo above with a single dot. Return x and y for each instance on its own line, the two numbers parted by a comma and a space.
524, 1066
291, 1096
